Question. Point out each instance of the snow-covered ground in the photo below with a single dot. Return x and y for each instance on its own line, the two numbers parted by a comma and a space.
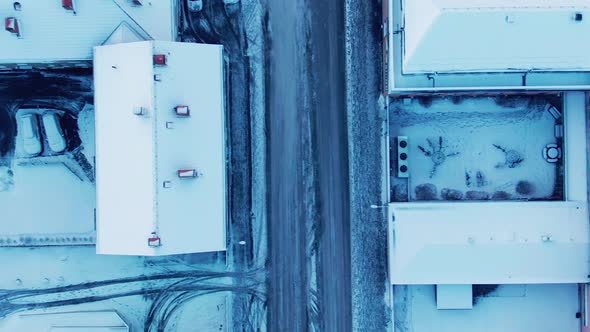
509, 308
367, 133
111, 277
48, 190
487, 145
33, 189
42, 270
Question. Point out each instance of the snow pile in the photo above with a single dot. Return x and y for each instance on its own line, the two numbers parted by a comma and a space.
86, 131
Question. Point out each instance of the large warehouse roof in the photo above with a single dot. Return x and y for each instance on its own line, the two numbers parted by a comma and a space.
143, 142
495, 35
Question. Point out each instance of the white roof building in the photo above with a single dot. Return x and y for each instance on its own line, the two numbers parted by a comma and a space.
493, 242
486, 44
160, 148
61, 33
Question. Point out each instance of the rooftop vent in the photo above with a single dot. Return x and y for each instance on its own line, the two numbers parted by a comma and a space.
182, 111
578, 17
68, 4
11, 24
160, 59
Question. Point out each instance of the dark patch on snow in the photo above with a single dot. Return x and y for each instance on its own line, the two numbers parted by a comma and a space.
69, 124
501, 196
400, 192
451, 194
525, 188
480, 179
456, 100
477, 195
86, 166
426, 192
7, 132
482, 291
425, 101
510, 101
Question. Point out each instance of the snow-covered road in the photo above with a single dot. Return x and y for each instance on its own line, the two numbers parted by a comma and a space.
308, 183
288, 154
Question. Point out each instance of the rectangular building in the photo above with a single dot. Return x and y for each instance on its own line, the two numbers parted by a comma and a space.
160, 148
488, 224
62, 33
445, 45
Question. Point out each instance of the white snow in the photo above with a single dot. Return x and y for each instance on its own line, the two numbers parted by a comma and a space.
49, 267
576, 153
46, 199
507, 75
511, 308
52, 34
489, 243
157, 18
471, 129
86, 132
137, 154
450, 36
68, 321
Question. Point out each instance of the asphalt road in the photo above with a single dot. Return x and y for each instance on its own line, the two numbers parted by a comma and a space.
287, 296
307, 140
331, 157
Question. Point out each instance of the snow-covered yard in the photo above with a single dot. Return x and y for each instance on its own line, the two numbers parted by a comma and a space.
47, 200
476, 148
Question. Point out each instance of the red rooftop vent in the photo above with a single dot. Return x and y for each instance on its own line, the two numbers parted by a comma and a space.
68, 4
160, 59
182, 111
11, 25
154, 240
188, 173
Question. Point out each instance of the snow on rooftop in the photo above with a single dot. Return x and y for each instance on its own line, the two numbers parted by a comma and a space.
49, 33
495, 36
489, 243
509, 308
138, 156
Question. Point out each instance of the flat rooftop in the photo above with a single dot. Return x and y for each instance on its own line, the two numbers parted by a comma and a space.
506, 308
139, 156
439, 45
495, 36
476, 198
48, 33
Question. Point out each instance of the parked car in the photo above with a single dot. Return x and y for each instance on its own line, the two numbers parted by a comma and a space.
53, 132
28, 128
